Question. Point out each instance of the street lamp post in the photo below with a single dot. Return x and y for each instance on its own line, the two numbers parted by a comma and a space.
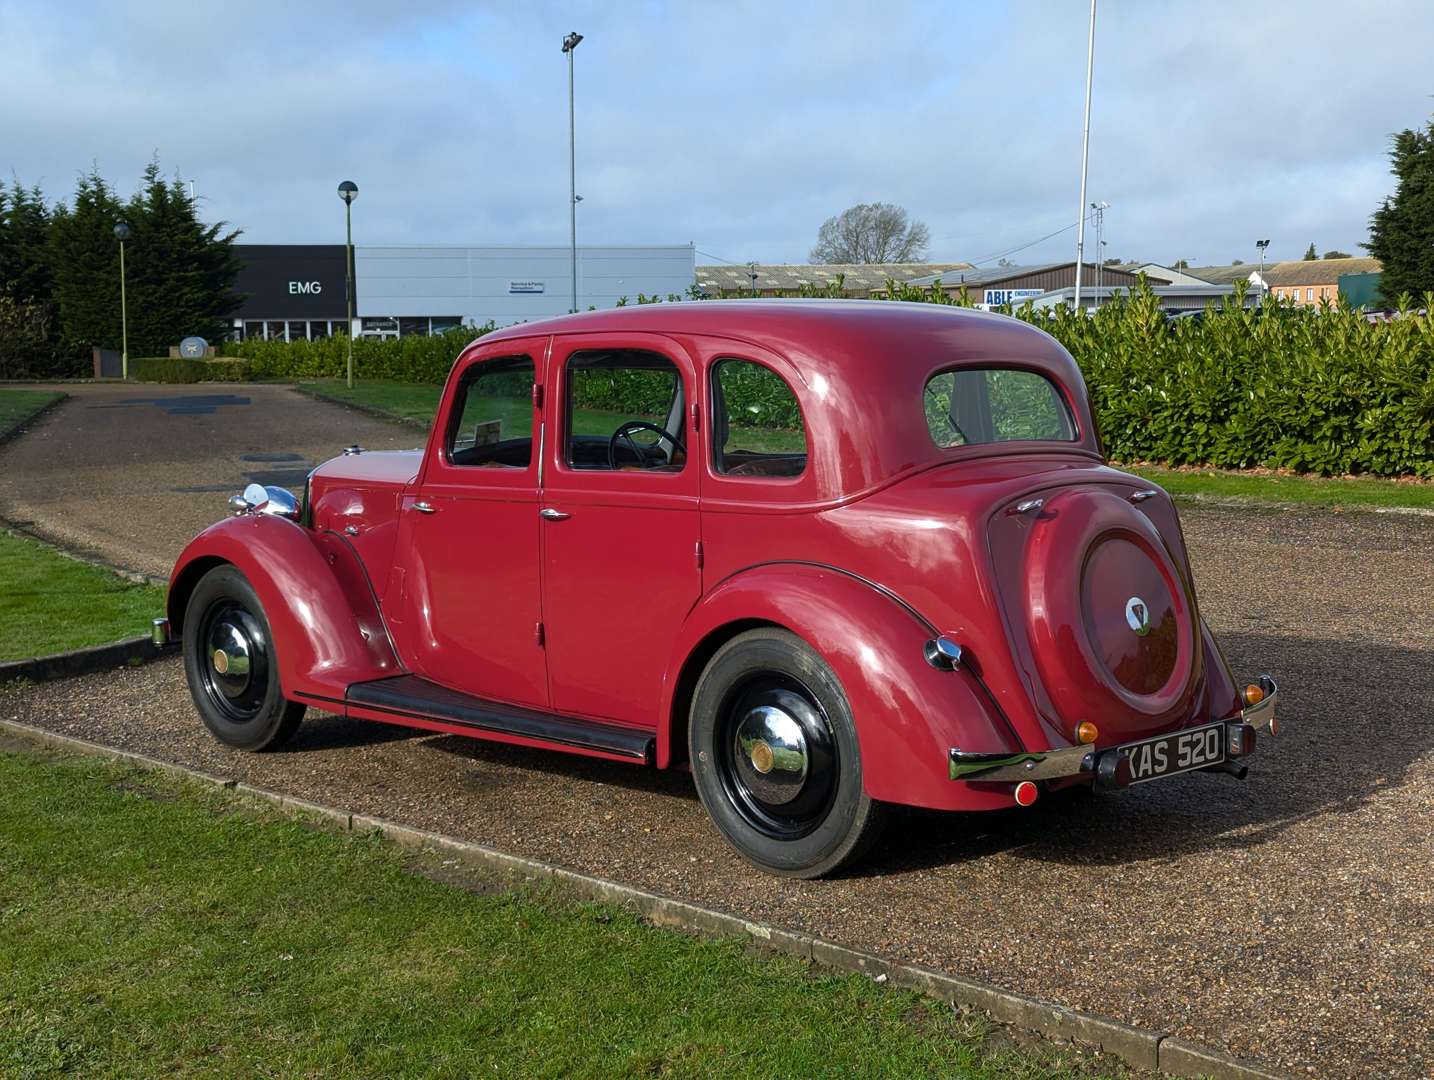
570, 44
348, 192
122, 234
1085, 153
1262, 244
1100, 208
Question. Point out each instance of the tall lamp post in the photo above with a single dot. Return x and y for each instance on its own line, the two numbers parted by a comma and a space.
1262, 244
1100, 208
570, 45
122, 234
1085, 153
348, 192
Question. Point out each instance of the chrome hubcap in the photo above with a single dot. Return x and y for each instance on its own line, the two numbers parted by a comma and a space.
771, 755
777, 756
230, 650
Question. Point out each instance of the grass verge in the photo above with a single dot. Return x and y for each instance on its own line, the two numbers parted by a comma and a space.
1351, 493
50, 604
149, 926
18, 406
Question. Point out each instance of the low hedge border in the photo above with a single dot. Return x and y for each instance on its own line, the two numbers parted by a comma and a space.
178, 369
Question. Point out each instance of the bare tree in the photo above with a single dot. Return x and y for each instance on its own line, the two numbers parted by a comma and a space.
871, 233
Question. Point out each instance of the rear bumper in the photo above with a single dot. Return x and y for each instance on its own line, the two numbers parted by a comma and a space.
1103, 766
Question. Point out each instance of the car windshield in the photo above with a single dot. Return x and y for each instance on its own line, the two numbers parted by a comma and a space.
986, 405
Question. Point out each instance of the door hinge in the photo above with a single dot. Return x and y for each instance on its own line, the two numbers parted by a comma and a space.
696, 417
699, 554
537, 395
538, 635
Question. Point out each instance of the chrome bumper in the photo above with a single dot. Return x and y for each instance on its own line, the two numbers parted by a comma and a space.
1085, 760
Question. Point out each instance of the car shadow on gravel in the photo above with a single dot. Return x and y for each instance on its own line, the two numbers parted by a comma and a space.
569, 767
326, 731
1355, 717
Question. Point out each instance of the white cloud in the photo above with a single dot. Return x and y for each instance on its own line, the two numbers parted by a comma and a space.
740, 126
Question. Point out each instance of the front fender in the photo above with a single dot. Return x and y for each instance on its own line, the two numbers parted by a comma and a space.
325, 621
908, 714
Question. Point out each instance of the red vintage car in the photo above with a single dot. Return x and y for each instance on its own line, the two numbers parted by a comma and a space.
828, 555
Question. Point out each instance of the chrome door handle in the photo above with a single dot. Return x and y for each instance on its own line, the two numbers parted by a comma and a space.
549, 514
425, 507
1141, 496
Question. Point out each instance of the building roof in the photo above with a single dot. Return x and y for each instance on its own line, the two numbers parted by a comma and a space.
1225, 275
1159, 270
856, 277
1318, 271
985, 276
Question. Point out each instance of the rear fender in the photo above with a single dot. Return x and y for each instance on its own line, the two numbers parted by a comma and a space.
909, 715
326, 624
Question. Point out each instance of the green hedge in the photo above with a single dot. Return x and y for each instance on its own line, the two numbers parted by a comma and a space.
407, 359
1320, 391
169, 369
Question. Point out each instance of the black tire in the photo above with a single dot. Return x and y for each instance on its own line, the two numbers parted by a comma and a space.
245, 708
804, 819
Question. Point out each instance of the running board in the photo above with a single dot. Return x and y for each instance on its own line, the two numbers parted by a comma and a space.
417, 698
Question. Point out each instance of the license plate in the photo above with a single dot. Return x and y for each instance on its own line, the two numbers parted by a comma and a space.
1193, 748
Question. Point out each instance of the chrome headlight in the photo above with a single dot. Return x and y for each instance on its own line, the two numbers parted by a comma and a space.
258, 499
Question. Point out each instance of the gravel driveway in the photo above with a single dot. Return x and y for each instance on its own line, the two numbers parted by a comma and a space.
1288, 920
131, 473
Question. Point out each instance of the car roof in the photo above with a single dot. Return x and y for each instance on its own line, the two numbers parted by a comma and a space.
865, 364
817, 336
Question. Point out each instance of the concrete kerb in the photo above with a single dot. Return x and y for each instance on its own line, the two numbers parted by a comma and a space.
129, 652
1136, 1047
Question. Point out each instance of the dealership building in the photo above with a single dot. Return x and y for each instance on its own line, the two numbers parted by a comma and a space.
296, 291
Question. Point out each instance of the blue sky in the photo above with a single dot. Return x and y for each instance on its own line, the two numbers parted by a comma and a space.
739, 126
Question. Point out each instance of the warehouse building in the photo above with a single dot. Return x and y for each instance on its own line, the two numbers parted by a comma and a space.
297, 291
992, 286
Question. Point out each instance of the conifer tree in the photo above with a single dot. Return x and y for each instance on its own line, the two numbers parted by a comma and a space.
1401, 232
84, 256
24, 229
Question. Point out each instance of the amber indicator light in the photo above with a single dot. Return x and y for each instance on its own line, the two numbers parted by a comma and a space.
1086, 732
1254, 694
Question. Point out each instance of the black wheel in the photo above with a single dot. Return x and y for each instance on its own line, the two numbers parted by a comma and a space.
230, 663
775, 757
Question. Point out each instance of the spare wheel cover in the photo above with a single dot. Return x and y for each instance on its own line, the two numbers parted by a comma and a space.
1111, 621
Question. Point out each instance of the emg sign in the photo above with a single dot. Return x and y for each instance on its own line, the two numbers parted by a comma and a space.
300, 288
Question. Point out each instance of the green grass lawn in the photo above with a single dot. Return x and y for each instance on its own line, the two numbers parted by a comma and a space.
17, 406
49, 603
1308, 490
150, 927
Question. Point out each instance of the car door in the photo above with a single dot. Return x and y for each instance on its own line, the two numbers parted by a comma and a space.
468, 572
621, 563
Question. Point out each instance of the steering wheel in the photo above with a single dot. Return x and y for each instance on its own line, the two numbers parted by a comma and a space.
625, 430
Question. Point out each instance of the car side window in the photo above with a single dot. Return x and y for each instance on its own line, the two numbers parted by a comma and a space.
492, 422
757, 427
626, 411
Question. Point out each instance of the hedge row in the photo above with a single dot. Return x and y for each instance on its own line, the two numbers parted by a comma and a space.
1322, 391
408, 359
169, 369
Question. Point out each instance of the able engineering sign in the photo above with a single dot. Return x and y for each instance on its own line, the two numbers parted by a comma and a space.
997, 297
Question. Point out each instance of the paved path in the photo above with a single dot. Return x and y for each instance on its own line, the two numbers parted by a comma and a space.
1288, 920
134, 472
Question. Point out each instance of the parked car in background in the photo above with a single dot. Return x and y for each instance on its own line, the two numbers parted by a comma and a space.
828, 555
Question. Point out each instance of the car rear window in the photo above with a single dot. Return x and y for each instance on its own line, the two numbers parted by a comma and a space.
986, 405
